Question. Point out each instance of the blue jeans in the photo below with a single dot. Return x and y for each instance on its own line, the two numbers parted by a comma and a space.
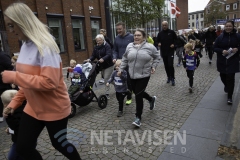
12, 154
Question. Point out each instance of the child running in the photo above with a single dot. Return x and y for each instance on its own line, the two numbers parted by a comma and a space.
190, 62
120, 84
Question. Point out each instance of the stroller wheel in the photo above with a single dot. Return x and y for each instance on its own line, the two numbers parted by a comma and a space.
73, 110
102, 101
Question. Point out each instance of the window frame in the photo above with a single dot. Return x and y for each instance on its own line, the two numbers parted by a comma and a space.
227, 8
236, 6
60, 17
81, 18
93, 18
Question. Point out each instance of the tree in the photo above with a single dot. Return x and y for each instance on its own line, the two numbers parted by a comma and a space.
214, 12
137, 13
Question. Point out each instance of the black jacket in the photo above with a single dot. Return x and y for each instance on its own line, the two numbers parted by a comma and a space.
210, 37
108, 41
224, 42
103, 51
180, 41
13, 121
166, 38
5, 64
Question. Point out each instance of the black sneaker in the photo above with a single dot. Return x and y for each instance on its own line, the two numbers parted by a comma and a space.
168, 80
229, 101
152, 103
210, 62
137, 122
190, 89
225, 89
173, 82
120, 114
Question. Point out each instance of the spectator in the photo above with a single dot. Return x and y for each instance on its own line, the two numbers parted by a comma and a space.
179, 44
138, 57
227, 48
40, 79
120, 44
166, 39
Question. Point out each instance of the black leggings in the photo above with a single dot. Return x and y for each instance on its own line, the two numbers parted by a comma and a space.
228, 81
168, 64
139, 86
30, 129
190, 74
210, 52
120, 97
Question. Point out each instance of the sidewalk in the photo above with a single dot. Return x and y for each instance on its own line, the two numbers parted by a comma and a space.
211, 124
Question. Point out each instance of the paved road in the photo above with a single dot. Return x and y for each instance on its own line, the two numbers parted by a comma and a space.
97, 132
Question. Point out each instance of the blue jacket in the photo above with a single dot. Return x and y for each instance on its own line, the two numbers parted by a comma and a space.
191, 61
120, 45
224, 42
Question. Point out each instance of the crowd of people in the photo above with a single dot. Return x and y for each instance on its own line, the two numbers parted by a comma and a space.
127, 64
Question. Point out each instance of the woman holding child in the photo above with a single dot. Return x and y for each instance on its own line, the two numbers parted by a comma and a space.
138, 57
39, 76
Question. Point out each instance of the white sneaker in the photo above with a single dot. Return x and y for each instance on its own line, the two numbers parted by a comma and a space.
1, 119
101, 81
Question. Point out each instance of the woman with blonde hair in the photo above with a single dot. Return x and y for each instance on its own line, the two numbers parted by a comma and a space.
39, 75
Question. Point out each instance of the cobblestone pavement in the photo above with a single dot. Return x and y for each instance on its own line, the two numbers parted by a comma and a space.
173, 106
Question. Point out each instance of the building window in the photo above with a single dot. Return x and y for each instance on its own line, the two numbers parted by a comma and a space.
55, 25
227, 7
234, 16
193, 16
227, 17
188, 17
78, 36
192, 24
95, 26
234, 6
201, 23
201, 15
189, 26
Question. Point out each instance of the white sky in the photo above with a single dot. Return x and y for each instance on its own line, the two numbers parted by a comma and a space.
196, 5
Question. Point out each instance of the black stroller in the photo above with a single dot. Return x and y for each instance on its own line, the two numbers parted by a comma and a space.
88, 95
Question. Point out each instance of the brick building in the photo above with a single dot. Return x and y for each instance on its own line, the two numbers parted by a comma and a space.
182, 21
231, 7
196, 19
73, 23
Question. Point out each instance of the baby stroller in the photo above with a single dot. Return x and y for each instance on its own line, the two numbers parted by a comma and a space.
88, 95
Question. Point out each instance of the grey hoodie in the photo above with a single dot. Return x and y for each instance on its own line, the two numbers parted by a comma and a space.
139, 60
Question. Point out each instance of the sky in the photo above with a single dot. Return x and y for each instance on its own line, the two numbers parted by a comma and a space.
196, 5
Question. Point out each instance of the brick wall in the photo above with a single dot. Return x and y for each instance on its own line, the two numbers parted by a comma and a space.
78, 7
182, 21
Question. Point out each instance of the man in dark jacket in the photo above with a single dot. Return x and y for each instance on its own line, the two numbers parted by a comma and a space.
5, 64
209, 38
166, 39
179, 45
120, 44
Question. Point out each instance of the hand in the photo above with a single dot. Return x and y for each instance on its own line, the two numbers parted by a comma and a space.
159, 44
81, 91
234, 50
172, 46
7, 130
119, 73
114, 60
87, 60
107, 84
186, 68
224, 52
153, 70
7, 111
101, 60
13, 85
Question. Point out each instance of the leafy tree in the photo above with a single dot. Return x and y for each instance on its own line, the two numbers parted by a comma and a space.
214, 12
137, 13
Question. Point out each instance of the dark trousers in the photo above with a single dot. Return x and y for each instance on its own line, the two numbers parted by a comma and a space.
190, 75
210, 52
29, 130
139, 86
12, 154
228, 81
129, 93
168, 64
120, 97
